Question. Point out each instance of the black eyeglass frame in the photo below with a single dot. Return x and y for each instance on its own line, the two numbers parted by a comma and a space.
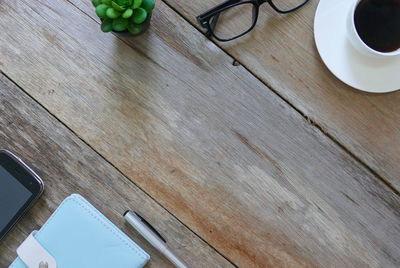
209, 19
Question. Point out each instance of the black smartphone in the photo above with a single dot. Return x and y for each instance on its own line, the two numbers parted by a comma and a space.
20, 187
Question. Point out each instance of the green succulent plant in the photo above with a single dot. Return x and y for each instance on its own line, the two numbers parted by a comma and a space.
122, 15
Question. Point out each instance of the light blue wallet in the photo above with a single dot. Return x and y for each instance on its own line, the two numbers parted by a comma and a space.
77, 235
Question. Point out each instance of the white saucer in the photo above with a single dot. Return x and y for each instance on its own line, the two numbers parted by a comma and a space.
343, 60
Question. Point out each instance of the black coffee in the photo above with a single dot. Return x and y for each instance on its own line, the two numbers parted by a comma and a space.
378, 24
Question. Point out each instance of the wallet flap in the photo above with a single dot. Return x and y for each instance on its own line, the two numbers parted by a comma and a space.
32, 253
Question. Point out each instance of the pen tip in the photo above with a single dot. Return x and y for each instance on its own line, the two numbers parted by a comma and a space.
126, 212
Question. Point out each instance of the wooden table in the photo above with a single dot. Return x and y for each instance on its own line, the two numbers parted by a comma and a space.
271, 162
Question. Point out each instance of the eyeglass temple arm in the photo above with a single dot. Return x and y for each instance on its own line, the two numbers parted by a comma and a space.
216, 9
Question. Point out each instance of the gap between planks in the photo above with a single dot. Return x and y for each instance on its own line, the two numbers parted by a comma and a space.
127, 180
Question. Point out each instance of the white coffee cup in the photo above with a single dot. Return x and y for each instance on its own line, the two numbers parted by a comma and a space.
356, 40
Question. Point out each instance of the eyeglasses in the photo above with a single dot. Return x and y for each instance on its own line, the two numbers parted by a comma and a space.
235, 18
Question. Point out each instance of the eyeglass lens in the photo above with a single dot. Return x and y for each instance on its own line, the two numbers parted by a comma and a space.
234, 21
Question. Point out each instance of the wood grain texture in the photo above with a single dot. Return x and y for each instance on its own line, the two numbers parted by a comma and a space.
69, 166
282, 53
206, 139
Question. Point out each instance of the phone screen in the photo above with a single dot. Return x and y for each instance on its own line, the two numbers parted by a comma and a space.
13, 196
19, 188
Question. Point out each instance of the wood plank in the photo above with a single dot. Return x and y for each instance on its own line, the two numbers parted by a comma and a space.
282, 53
207, 140
69, 166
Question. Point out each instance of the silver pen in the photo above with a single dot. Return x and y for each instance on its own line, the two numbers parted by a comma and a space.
153, 237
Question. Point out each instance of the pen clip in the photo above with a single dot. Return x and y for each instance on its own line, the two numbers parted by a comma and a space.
150, 227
